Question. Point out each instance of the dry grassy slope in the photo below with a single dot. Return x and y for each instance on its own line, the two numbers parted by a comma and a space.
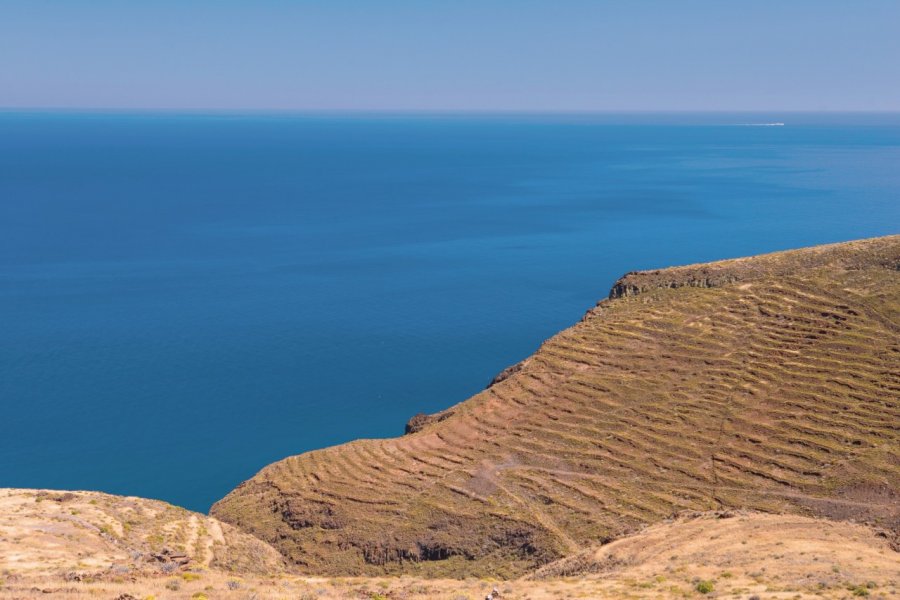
785, 557
794, 550
769, 383
91, 535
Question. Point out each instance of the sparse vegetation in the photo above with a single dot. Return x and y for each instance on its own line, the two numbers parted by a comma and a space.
759, 383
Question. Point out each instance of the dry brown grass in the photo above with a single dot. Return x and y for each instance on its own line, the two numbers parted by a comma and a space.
770, 556
83, 536
769, 383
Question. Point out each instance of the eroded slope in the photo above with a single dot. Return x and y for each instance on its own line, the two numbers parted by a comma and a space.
738, 555
769, 383
94, 536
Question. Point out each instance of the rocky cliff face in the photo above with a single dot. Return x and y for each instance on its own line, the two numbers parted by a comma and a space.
769, 383
847, 255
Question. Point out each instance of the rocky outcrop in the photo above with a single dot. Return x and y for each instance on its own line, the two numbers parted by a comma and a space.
418, 421
636, 282
508, 372
877, 252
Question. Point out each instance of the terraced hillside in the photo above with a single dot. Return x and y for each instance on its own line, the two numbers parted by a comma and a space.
769, 383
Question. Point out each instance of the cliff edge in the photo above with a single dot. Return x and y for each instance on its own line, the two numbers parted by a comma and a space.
769, 383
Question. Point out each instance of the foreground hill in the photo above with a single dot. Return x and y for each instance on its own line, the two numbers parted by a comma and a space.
723, 554
769, 383
87, 536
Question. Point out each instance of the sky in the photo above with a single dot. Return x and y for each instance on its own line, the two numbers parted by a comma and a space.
453, 55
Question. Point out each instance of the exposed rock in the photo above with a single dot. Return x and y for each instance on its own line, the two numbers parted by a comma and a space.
418, 422
636, 282
508, 372
877, 252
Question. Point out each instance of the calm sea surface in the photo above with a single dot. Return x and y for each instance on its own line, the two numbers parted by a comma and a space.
186, 298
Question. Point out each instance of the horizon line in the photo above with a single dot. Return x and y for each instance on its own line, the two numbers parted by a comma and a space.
435, 111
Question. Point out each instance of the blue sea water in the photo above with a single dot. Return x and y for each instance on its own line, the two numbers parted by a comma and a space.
188, 297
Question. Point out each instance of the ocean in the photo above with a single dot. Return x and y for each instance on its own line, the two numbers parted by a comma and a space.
186, 298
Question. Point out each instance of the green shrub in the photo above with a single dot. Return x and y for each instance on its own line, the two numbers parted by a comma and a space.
704, 587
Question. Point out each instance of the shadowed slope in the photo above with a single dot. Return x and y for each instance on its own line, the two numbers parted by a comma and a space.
769, 383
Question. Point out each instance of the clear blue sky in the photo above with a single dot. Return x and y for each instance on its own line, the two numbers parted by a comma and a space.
451, 55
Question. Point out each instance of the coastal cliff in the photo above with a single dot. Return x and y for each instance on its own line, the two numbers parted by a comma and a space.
769, 383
